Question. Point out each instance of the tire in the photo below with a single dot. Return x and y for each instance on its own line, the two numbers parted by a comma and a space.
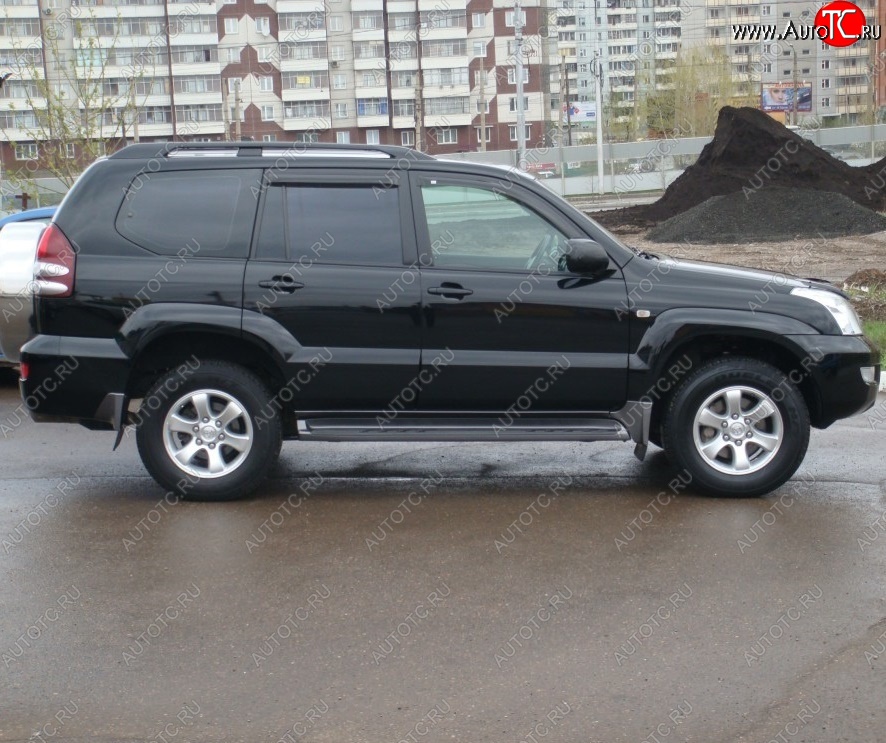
186, 442
738, 426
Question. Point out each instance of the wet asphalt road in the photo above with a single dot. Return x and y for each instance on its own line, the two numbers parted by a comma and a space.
497, 606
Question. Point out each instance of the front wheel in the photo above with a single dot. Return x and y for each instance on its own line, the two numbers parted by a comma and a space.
737, 426
205, 437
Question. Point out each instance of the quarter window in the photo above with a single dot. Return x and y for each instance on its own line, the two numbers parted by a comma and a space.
159, 209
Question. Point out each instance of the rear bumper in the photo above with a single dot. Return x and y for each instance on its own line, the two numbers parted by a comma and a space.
75, 380
834, 364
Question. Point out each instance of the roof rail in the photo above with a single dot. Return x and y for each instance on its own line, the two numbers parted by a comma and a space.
266, 149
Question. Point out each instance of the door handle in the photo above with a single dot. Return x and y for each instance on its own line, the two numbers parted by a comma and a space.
282, 284
450, 291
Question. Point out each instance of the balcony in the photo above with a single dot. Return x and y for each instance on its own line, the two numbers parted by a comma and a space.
308, 123
305, 94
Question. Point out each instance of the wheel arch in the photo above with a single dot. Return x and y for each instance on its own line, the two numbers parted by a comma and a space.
668, 354
176, 346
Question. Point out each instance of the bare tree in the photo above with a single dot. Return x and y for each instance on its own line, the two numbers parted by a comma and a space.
64, 102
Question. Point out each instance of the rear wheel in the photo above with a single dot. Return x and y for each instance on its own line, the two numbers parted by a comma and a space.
738, 426
204, 436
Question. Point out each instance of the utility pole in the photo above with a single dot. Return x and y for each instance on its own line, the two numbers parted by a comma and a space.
521, 113
134, 110
796, 90
419, 114
237, 114
226, 113
482, 109
873, 83
598, 102
562, 133
568, 106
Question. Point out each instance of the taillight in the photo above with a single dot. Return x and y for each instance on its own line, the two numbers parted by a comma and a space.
24, 370
54, 267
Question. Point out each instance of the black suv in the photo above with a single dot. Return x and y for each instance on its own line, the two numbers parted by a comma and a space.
224, 297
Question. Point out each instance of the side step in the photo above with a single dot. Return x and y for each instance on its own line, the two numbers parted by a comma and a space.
406, 428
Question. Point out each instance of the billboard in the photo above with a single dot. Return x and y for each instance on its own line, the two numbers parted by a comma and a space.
780, 97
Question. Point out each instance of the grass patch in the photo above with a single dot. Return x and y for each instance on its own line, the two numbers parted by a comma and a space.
876, 331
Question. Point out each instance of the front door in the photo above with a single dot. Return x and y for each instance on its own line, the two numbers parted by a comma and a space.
505, 323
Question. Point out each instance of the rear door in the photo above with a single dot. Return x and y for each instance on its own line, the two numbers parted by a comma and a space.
328, 266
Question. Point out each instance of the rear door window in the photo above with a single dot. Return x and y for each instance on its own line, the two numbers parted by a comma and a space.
208, 212
352, 224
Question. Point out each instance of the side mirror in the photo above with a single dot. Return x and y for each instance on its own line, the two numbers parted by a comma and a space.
586, 256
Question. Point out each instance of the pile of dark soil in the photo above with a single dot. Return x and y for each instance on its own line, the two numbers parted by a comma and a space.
769, 214
750, 150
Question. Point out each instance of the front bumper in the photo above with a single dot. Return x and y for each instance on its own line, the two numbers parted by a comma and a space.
833, 364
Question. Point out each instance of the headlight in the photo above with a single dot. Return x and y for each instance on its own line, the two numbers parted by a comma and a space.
839, 308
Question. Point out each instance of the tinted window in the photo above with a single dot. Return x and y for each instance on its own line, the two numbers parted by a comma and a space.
209, 213
271, 236
473, 227
344, 224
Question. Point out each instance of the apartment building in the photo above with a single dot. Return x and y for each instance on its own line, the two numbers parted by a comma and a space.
839, 79
402, 72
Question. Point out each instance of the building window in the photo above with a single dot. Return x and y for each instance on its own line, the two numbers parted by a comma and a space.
513, 103
232, 25
266, 84
372, 136
512, 75
232, 56
488, 134
767, 67
268, 137
478, 20
339, 81
336, 23
307, 137
368, 20
825, 64
26, 152
342, 137
479, 48
509, 18
372, 107
263, 25
512, 132
826, 102
338, 52
69, 151
766, 10
447, 136
483, 107
826, 83
407, 137
267, 113
341, 110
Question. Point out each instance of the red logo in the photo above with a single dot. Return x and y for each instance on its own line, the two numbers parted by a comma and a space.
840, 23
